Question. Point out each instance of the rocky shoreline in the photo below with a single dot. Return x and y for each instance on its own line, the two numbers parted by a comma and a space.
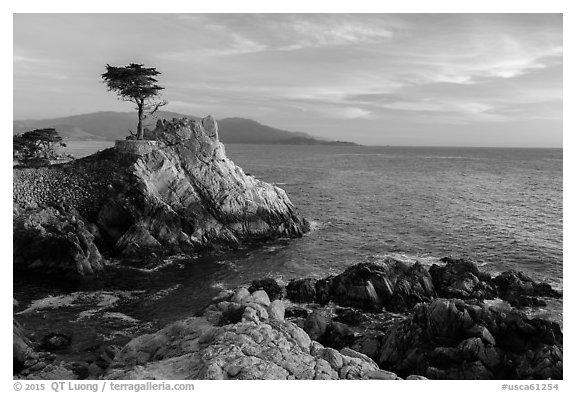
181, 194
386, 320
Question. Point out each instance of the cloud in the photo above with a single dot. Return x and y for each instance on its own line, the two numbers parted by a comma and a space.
439, 106
240, 46
409, 70
352, 113
329, 33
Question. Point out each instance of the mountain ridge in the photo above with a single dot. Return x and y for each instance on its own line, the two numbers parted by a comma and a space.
111, 125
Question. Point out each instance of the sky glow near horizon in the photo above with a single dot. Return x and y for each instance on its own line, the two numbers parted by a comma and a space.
382, 79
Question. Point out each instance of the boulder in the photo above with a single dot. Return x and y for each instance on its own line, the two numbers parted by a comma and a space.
316, 325
454, 339
240, 294
521, 291
296, 312
270, 286
273, 349
391, 284
460, 278
337, 336
21, 347
259, 297
54, 240
55, 341
301, 290
276, 310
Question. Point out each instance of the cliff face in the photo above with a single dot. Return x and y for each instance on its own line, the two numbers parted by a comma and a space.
187, 193
181, 195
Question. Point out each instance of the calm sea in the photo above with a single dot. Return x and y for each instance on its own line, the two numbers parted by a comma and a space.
499, 207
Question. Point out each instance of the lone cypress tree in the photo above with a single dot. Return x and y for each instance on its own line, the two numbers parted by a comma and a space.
137, 84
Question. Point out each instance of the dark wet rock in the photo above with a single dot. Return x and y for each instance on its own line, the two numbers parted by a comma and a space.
55, 341
521, 291
94, 371
296, 312
338, 336
316, 325
349, 316
106, 357
460, 278
54, 240
452, 339
81, 369
272, 288
54, 371
302, 290
369, 343
327, 332
224, 313
21, 347
392, 284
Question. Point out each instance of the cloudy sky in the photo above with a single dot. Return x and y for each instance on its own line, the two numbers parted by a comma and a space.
383, 79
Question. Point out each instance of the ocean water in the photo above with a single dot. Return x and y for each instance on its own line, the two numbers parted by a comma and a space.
499, 207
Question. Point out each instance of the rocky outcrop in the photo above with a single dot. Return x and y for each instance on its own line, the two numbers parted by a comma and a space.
32, 364
453, 339
188, 194
21, 345
521, 291
248, 334
250, 345
392, 284
461, 279
398, 286
459, 337
54, 240
183, 196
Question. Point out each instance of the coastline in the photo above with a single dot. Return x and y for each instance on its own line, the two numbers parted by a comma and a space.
346, 314
174, 198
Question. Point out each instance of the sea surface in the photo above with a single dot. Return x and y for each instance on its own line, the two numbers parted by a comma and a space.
499, 207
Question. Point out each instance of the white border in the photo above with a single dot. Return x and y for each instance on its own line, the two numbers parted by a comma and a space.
356, 6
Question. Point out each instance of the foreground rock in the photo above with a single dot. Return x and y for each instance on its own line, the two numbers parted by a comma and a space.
243, 335
236, 339
452, 339
181, 195
21, 347
461, 337
249, 334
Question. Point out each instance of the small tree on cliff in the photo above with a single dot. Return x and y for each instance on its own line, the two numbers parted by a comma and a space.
137, 84
36, 144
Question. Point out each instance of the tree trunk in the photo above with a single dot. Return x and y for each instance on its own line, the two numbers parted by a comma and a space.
140, 132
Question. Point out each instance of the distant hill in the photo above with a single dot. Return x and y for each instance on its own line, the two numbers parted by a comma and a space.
116, 125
